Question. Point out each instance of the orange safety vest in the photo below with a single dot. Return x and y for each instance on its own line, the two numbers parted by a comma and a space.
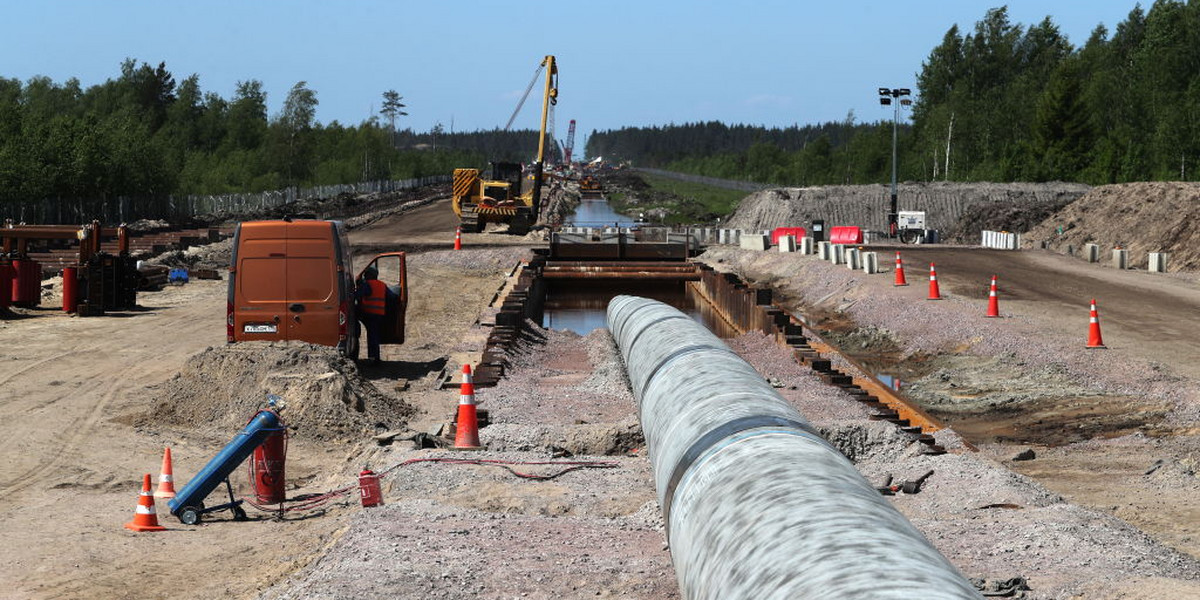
373, 304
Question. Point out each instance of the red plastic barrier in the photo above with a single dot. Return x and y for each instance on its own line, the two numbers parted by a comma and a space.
845, 235
6, 286
797, 232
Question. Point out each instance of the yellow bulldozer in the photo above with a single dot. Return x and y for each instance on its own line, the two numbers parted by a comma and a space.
500, 198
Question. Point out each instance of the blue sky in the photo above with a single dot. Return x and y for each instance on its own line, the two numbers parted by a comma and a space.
773, 63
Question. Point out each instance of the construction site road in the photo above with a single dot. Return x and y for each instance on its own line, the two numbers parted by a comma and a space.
1150, 314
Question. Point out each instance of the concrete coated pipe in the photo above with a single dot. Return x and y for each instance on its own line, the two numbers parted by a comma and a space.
756, 503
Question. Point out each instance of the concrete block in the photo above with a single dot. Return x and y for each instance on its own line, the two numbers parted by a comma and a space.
851, 256
823, 251
1158, 262
1120, 259
787, 243
806, 245
1091, 252
870, 263
755, 242
837, 253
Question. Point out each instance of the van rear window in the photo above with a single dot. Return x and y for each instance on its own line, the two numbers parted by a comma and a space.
262, 279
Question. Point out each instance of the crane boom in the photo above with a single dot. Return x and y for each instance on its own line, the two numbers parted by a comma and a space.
569, 147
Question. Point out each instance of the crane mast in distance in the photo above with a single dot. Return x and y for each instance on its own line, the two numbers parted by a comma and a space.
569, 147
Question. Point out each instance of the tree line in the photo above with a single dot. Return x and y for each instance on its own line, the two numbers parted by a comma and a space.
1002, 102
145, 135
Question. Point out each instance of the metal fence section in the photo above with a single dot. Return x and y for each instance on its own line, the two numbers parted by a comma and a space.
113, 211
729, 184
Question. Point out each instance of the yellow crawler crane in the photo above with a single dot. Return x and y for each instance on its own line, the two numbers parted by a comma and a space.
499, 199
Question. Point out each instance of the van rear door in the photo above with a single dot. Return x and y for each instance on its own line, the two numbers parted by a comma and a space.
260, 294
311, 285
394, 273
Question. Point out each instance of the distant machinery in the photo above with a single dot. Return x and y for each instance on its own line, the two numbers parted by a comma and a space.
569, 147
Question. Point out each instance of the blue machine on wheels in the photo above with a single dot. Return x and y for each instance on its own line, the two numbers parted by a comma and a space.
188, 504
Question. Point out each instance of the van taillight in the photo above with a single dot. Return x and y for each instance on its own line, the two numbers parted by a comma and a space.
343, 313
229, 322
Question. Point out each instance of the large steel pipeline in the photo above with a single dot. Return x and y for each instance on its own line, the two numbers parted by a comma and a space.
756, 503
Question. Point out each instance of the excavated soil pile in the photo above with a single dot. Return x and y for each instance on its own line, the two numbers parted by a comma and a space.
1140, 217
961, 209
324, 396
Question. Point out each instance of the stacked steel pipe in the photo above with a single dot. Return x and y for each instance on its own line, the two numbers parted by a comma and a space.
756, 503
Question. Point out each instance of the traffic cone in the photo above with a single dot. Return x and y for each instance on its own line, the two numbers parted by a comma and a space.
993, 302
466, 436
1094, 340
144, 518
934, 293
166, 483
458, 238
899, 271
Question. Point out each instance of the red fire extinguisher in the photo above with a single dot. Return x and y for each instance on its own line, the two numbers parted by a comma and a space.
368, 488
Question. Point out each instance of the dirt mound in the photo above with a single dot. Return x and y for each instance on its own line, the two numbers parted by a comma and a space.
945, 204
1017, 216
1141, 217
324, 397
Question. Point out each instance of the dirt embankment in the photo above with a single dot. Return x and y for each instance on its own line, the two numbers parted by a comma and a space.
1140, 217
866, 206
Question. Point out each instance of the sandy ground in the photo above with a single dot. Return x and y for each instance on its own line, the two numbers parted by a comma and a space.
75, 395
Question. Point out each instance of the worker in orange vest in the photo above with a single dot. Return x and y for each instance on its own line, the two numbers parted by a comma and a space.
373, 297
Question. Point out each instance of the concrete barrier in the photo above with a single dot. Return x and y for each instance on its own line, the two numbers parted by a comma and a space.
823, 251
1000, 240
1091, 253
756, 241
870, 263
1120, 259
837, 254
1158, 262
852, 259
787, 243
806, 245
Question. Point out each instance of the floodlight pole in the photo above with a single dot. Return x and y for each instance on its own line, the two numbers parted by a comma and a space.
893, 96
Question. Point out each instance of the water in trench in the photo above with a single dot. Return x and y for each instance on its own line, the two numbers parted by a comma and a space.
597, 213
581, 305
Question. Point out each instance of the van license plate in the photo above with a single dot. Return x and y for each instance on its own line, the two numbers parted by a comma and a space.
266, 328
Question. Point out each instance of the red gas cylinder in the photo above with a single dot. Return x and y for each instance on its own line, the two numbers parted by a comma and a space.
267, 468
368, 488
6, 277
70, 279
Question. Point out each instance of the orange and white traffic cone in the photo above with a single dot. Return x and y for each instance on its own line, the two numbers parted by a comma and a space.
1094, 339
899, 272
144, 518
934, 292
466, 435
166, 481
993, 301
458, 238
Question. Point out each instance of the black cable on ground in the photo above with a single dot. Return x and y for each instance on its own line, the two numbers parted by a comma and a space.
307, 502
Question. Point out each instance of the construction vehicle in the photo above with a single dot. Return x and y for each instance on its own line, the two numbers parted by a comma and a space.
499, 198
590, 188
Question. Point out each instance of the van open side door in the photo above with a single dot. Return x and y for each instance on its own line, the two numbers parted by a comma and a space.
394, 273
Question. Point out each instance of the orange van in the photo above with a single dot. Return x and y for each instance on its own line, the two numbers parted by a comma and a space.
292, 280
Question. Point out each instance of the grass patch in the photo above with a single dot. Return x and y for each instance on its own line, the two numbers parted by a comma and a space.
683, 201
